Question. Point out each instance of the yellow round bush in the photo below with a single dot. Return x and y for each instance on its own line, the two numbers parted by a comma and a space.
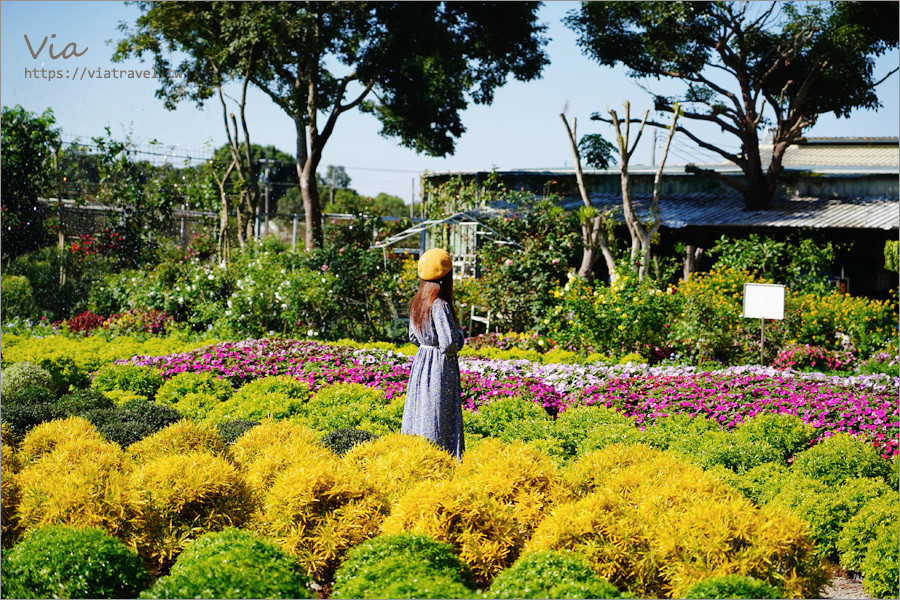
179, 438
516, 475
44, 438
656, 525
483, 530
317, 510
9, 496
271, 447
83, 482
8, 436
186, 495
394, 463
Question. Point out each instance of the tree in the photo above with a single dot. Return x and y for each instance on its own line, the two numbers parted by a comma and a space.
746, 66
414, 65
598, 153
29, 142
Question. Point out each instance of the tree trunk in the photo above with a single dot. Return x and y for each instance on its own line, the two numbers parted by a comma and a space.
307, 163
592, 235
692, 256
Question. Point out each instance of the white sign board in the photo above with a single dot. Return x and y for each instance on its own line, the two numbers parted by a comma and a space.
763, 301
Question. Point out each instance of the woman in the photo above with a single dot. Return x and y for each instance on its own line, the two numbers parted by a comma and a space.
433, 408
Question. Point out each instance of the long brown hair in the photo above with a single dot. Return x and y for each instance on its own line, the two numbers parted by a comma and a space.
429, 291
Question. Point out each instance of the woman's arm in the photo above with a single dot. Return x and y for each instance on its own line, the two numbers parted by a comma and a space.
450, 339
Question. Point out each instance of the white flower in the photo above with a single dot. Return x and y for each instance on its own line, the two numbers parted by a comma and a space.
228, 312
210, 277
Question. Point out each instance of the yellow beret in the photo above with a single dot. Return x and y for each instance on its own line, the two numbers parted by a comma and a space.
434, 264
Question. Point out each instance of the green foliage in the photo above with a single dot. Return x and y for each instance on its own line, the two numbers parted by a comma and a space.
827, 508
133, 378
232, 563
18, 299
497, 416
892, 255
28, 142
801, 263
194, 393
342, 440
732, 586
353, 406
376, 568
551, 574
66, 562
21, 375
668, 430
235, 428
882, 575
839, 458
862, 529
730, 450
628, 316
517, 281
71, 361
577, 423
132, 421
274, 397
761, 483
788, 434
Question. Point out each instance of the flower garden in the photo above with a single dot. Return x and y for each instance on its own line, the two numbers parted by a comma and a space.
200, 427
182, 467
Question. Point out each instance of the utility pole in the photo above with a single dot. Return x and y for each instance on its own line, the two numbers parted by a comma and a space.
266, 186
412, 201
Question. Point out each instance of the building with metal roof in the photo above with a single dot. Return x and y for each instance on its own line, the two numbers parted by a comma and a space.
844, 189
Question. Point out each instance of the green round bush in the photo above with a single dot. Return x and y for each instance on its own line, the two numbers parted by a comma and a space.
378, 563
79, 402
21, 375
551, 574
740, 454
232, 563
132, 421
176, 388
493, 418
66, 562
139, 379
574, 425
341, 440
881, 566
787, 433
667, 430
235, 428
827, 508
732, 586
276, 397
30, 396
859, 532
842, 457
32, 406
761, 483
401, 577
23, 418
353, 406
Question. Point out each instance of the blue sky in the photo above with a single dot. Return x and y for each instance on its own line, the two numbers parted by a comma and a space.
521, 129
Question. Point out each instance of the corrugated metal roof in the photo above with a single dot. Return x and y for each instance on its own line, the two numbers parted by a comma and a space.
708, 210
812, 157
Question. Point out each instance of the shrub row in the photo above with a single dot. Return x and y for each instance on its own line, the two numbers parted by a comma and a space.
503, 501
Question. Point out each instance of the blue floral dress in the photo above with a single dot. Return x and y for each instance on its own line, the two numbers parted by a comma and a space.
433, 408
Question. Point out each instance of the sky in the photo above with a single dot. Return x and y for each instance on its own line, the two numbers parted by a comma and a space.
521, 129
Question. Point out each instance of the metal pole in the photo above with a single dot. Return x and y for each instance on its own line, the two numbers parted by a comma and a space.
294, 235
762, 341
412, 201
